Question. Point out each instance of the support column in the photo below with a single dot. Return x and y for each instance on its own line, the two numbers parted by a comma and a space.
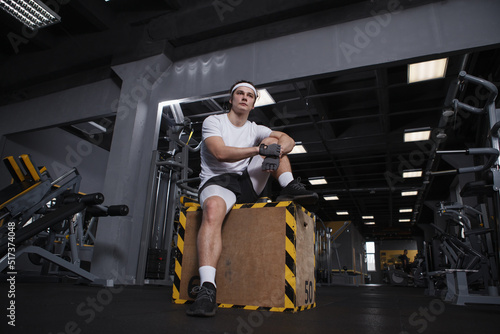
135, 137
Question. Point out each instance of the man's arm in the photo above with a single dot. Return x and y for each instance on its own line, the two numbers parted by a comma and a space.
224, 153
286, 142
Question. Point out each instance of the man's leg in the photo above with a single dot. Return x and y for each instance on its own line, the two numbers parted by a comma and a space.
292, 190
215, 202
209, 240
284, 165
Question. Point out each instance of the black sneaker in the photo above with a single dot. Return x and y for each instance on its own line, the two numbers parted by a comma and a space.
296, 191
205, 304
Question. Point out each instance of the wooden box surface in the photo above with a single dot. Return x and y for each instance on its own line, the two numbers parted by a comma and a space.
267, 258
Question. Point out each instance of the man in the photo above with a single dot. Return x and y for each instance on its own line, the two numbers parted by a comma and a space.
405, 261
237, 157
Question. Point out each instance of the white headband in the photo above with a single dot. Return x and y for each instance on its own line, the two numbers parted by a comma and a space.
244, 84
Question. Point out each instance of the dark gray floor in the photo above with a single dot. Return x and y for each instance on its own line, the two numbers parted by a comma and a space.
68, 308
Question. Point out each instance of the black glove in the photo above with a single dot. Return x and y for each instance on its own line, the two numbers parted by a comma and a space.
271, 163
272, 150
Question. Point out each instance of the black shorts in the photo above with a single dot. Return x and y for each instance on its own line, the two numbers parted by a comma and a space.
240, 185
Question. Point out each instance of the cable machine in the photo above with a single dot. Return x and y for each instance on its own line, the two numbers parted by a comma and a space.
325, 260
469, 242
169, 189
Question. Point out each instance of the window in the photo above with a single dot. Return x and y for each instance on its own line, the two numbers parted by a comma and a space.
370, 256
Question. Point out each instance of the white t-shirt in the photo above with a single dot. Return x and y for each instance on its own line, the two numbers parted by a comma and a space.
248, 135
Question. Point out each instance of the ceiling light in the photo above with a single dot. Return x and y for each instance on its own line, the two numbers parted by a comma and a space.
412, 173
298, 149
317, 180
32, 13
342, 213
427, 70
405, 210
417, 134
331, 198
369, 223
367, 217
404, 220
264, 98
409, 193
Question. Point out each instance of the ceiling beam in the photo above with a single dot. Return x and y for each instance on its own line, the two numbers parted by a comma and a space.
95, 12
213, 17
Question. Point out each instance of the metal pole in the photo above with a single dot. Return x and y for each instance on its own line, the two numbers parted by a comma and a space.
149, 219
328, 262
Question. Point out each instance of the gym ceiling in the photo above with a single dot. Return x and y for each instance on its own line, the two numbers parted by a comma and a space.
351, 123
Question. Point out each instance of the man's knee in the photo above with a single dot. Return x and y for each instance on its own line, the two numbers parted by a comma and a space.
269, 140
214, 210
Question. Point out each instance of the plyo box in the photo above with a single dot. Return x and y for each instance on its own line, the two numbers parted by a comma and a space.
267, 259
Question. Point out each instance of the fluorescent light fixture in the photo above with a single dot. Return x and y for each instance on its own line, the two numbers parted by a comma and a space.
264, 98
331, 198
412, 173
367, 217
298, 149
317, 180
405, 210
32, 13
342, 213
427, 70
417, 134
369, 223
409, 193
404, 220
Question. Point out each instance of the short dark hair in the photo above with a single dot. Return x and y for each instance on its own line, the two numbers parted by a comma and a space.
236, 83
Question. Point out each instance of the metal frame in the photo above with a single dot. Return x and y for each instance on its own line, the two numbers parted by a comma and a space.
461, 273
169, 181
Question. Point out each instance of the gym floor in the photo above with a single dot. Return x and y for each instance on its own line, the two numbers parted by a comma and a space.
68, 308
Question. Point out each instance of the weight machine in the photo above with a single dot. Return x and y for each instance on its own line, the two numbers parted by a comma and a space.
46, 219
327, 255
169, 190
469, 242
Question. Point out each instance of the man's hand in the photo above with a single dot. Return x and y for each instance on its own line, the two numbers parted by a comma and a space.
273, 150
272, 153
270, 163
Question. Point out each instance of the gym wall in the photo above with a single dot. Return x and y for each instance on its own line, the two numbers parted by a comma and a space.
59, 151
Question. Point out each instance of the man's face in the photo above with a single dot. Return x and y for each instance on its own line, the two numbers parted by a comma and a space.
243, 99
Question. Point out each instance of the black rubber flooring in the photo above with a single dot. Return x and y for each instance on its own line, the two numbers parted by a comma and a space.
68, 308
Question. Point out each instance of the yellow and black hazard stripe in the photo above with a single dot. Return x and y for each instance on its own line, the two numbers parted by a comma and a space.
180, 251
14, 169
271, 309
290, 258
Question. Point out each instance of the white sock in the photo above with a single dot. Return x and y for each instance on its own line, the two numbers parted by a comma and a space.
207, 274
285, 178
